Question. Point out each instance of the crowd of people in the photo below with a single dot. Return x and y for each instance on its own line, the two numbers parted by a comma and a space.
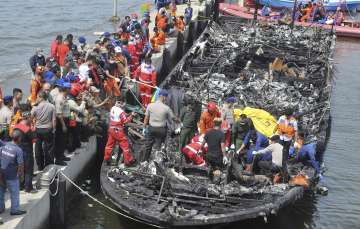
68, 86
312, 12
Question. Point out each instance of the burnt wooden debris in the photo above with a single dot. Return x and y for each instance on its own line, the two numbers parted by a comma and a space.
265, 66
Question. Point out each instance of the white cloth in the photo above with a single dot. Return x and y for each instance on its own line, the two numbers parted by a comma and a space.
84, 72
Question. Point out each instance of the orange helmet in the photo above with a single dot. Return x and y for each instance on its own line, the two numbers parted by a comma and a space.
211, 106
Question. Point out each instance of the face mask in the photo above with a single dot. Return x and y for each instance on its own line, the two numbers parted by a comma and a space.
39, 55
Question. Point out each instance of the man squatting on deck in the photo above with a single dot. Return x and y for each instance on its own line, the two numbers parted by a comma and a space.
67, 89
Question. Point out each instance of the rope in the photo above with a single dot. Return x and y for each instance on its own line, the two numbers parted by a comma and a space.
104, 205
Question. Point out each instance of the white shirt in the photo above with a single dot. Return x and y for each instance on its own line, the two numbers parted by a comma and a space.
276, 150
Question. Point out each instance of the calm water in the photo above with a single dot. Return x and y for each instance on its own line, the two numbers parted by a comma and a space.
26, 25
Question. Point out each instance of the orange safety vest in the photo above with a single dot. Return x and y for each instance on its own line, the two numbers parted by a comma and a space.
285, 128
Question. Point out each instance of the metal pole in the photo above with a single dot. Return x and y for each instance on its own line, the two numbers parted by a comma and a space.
293, 16
115, 17
115, 8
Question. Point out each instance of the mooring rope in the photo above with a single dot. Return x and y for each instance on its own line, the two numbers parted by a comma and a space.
99, 202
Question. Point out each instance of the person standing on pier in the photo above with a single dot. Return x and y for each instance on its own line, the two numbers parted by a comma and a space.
11, 173
188, 13
44, 117
62, 109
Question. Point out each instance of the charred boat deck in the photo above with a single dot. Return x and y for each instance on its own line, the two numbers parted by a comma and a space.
265, 66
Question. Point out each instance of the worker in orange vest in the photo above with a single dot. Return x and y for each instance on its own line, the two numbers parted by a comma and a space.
179, 23
36, 83
157, 39
146, 74
287, 128
208, 116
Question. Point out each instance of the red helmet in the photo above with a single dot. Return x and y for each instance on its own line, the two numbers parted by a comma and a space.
75, 89
211, 106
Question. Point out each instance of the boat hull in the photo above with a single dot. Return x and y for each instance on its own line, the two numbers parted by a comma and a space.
331, 5
242, 12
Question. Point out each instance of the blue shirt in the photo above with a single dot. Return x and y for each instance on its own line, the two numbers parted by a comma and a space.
188, 13
11, 156
261, 140
307, 153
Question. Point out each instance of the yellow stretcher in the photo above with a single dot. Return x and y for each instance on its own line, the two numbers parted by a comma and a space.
263, 121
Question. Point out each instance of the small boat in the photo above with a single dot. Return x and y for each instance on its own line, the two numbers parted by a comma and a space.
231, 57
245, 13
329, 5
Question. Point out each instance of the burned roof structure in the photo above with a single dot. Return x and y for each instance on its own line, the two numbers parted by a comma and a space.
265, 66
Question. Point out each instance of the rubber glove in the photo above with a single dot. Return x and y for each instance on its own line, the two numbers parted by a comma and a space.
321, 178
225, 160
254, 152
232, 147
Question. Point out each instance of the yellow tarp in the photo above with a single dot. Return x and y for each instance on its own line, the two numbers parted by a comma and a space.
263, 121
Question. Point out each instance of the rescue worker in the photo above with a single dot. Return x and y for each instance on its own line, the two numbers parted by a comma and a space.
216, 156
111, 83
146, 75
5, 118
155, 123
287, 127
159, 38
305, 153
188, 13
36, 84
253, 141
179, 24
194, 152
121, 61
161, 20
62, 110
189, 118
270, 158
207, 117
44, 119
26, 144
63, 50
239, 130
116, 134
55, 46
37, 60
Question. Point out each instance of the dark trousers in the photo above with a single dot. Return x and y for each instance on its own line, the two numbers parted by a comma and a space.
186, 135
268, 167
29, 169
215, 160
286, 146
61, 139
74, 138
44, 147
155, 137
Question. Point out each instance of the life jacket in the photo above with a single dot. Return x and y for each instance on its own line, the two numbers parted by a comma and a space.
147, 74
14, 120
162, 22
285, 127
36, 85
207, 121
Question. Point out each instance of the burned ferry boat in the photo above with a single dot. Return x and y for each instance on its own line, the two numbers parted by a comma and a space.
266, 66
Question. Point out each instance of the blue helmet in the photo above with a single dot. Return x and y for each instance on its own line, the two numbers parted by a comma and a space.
230, 100
82, 40
106, 34
163, 92
7, 98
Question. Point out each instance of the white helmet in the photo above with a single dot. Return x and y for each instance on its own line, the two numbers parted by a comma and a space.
118, 49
